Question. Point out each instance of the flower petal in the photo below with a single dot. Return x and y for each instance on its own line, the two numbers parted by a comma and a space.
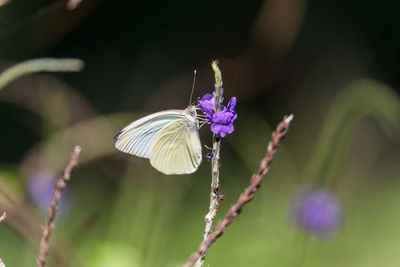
232, 104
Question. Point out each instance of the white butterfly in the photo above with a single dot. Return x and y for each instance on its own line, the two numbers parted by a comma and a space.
170, 139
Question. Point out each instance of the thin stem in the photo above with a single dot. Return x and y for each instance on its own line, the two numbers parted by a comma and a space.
215, 162
3, 217
72, 4
247, 194
59, 187
41, 64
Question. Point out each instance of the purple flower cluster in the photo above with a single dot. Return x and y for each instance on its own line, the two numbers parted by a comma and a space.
318, 213
221, 121
40, 189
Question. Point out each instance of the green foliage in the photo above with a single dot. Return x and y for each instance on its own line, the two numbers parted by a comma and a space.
364, 98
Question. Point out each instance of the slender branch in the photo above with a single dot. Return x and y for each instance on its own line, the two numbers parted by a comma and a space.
248, 193
40, 64
215, 161
3, 217
59, 187
72, 4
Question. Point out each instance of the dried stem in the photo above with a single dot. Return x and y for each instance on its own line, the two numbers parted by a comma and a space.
72, 4
214, 197
3, 217
247, 194
59, 187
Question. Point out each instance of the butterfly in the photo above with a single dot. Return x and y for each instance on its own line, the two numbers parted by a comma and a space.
170, 139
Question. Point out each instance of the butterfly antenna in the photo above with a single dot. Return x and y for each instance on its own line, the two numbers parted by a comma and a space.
194, 82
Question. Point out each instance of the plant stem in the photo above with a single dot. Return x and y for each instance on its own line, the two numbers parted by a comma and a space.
55, 199
3, 217
215, 162
247, 194
40, 64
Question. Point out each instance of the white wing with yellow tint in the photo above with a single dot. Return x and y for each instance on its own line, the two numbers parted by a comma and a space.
176, 149
137, 137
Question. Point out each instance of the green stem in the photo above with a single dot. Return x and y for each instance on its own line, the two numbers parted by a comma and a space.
215, 162
41, 64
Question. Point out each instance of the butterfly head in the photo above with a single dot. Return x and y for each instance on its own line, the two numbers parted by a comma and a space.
191, 116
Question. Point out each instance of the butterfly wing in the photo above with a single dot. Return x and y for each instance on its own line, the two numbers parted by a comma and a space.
176, 148
137, 137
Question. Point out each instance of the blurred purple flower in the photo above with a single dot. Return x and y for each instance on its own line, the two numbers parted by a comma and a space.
41, 188
222, 121
209, 156
318, 213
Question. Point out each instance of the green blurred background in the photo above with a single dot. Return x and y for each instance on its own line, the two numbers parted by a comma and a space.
333, 64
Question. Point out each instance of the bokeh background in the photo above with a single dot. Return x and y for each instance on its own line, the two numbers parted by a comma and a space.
333, 64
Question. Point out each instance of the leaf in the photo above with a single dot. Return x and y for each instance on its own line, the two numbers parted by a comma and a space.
37, 65
94, 135
363, 98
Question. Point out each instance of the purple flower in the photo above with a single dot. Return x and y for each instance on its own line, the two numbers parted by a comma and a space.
206, 104
222, 121
40, 189
209, 156
232, 105
318, 213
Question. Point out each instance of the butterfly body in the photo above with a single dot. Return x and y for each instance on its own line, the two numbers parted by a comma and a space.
170, 139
